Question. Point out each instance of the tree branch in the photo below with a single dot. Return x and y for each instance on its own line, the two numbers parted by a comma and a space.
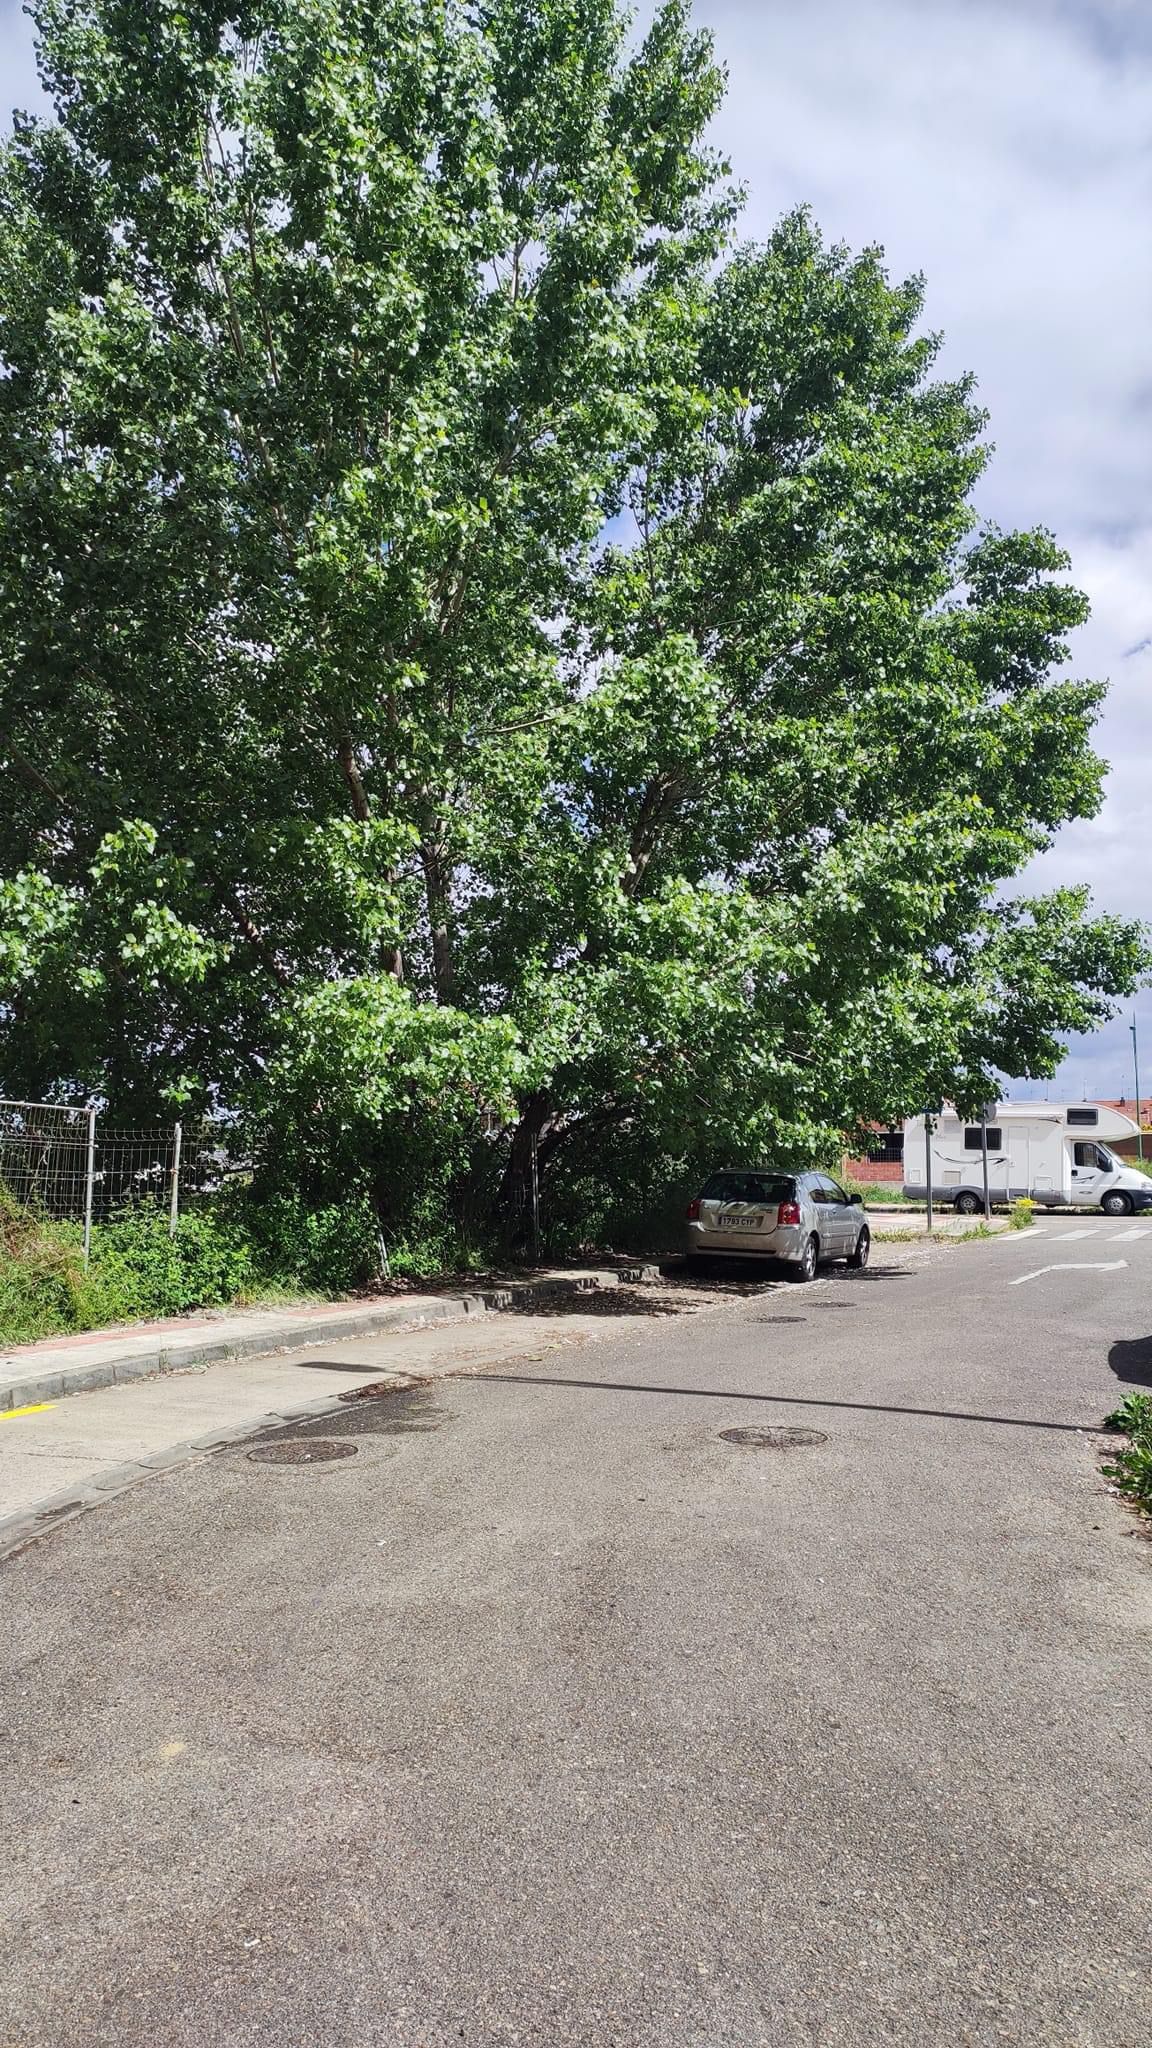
361, 809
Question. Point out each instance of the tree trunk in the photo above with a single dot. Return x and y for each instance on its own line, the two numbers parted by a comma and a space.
436, 888
393, 958
514, 1201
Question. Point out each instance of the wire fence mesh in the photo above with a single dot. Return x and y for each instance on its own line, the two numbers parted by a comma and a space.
44, 1157
133, 1166
67, 1164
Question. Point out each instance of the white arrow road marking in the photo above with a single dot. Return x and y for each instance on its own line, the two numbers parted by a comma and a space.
1072, 1266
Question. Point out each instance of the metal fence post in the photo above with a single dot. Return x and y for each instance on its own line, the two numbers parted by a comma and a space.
89, 1181
174, 1209
984, 1165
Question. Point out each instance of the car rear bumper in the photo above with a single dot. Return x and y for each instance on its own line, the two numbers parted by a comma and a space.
787, 1243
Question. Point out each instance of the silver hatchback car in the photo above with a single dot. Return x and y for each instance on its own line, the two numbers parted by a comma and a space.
762, 1213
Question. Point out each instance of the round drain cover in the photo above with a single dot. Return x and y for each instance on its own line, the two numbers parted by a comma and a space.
784, 1439
312, 1450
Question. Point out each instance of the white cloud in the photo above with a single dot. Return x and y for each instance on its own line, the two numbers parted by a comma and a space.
1003, 148
19, 85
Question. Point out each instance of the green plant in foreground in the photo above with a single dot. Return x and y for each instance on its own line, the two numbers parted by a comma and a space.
1021, 1214
1131, 1468
1133, 1415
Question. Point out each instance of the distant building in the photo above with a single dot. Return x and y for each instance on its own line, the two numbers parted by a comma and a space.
882, 1163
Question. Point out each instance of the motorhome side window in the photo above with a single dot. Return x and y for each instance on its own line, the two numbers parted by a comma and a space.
1092, 1156
973, 1138
1084, 1119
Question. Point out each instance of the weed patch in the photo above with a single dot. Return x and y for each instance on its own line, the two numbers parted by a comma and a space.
1130, 1470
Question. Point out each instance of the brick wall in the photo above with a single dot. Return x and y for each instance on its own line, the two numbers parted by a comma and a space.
874, 1173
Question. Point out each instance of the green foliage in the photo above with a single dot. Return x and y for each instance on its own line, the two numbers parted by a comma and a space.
495, 671
1133, 1416
326, 1250
41, 1270
1021, 1213
240, 1251
138, 1268
1131, 1468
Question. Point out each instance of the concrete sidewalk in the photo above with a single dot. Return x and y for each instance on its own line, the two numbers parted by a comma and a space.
82, 1363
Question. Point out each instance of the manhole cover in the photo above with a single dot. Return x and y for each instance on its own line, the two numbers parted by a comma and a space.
783, 1439
312, 1450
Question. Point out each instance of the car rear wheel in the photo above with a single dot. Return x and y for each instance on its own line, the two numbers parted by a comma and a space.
859, 1258
805, 1266
1117, 1204
969, 1204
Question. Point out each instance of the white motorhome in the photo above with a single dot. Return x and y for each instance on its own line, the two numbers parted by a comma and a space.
1056, 1153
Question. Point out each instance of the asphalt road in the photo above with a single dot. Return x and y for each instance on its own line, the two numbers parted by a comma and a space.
552, 1716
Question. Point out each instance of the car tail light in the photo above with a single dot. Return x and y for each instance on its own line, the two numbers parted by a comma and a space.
693, 1211
788, 1212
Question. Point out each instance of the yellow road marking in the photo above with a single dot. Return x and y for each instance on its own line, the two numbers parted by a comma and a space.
34, 1408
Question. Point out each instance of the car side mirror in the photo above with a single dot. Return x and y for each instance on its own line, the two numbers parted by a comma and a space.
857, 1201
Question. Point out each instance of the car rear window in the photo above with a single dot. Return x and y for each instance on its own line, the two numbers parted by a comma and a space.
749, 1187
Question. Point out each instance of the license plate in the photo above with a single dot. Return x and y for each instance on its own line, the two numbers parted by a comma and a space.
742, 1222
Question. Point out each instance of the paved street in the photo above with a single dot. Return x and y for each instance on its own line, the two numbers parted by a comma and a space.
554, 1715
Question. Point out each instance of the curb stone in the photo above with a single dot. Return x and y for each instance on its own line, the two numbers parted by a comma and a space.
21, 1389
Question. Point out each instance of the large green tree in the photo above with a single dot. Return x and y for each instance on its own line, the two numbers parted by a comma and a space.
487, 665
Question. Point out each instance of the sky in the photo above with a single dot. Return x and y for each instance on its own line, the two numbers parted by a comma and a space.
1003, 148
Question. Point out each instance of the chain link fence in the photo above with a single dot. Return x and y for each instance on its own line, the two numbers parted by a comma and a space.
70, 1166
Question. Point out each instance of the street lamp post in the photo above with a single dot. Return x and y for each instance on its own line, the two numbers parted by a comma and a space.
1136, 1065
988, 1110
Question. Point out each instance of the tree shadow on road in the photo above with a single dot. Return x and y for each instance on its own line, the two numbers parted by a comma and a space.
673, 1295
1131, 1361
552, 1381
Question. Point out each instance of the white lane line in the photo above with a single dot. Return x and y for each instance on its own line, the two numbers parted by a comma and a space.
1070, 1236
1071, 1266
1127, 1236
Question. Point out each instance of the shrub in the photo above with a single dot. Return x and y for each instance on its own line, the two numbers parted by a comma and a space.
1021, 1213
1131, 1468
332, 1249
139, 1269
41, 1267
136, 1270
